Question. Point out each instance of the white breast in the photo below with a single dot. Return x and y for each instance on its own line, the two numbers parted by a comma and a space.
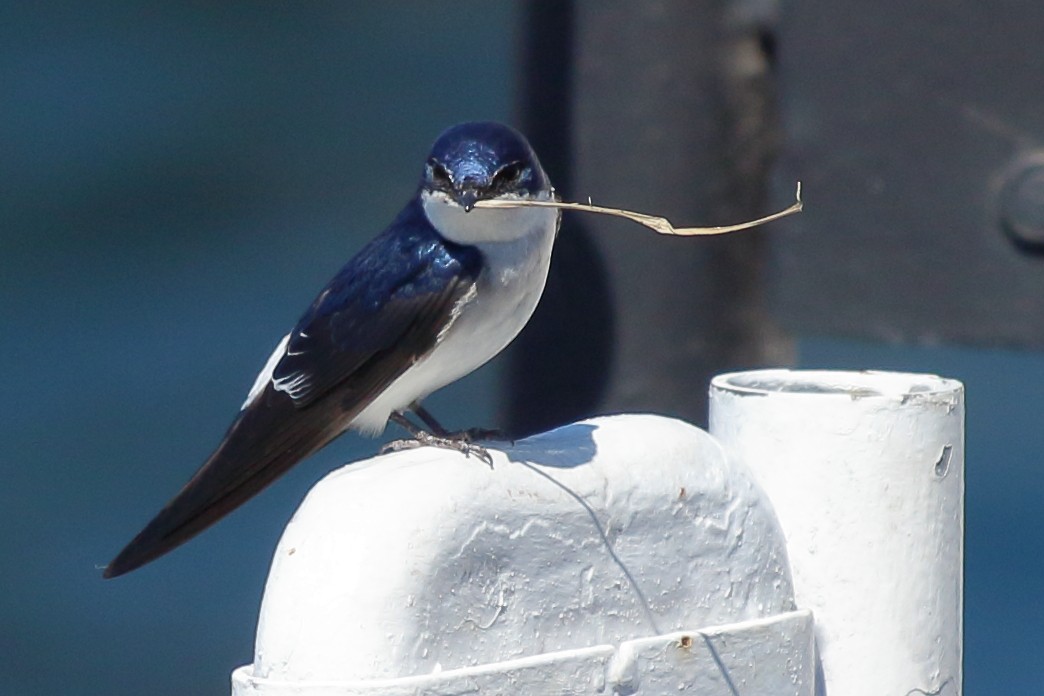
516, 247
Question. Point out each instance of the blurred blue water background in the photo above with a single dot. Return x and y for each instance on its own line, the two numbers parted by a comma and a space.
176, 182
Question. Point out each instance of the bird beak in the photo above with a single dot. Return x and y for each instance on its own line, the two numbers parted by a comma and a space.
466, 199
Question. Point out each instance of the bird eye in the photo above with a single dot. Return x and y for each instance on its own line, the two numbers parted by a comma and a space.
507, 175
440, 176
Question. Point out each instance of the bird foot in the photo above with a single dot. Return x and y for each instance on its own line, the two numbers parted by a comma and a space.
460, 441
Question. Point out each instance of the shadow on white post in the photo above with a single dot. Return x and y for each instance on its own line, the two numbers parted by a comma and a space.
866, 473
621, 555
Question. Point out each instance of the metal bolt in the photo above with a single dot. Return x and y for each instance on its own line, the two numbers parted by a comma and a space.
1022, 207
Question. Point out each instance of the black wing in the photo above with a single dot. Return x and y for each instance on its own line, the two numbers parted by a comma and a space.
382, 312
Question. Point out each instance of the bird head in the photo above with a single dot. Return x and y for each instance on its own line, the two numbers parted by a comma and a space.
483, 160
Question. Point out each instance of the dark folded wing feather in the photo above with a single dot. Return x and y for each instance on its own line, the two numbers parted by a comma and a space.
382, 313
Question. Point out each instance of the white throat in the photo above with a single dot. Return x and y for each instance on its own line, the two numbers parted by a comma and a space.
482, 225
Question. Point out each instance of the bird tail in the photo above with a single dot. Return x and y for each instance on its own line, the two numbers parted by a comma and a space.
268, 438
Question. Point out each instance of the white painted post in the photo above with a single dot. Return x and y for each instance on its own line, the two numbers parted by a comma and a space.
866, 473
624, 555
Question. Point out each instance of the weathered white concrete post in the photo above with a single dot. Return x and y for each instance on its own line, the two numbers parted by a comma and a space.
866, 473
622, 555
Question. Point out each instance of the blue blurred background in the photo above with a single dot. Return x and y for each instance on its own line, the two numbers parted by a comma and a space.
176, 183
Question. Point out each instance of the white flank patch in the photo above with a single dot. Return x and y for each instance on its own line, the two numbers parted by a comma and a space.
266, 372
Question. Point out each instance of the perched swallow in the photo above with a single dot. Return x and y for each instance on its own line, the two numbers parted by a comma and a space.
441, 291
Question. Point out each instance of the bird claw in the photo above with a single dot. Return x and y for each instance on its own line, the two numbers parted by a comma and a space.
461, 442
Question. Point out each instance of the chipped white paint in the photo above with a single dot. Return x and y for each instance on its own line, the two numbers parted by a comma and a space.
583, 562
866, 473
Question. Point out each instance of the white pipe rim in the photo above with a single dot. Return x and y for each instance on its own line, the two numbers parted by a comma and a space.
840, 383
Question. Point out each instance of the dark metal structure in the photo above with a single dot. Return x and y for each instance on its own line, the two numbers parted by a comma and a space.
915, 128
655, 106
918, 130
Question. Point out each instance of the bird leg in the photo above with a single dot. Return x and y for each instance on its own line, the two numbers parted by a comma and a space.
428, 420
469, 435
440, 437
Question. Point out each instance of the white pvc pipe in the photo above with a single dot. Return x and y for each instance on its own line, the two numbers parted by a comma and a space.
866, 473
